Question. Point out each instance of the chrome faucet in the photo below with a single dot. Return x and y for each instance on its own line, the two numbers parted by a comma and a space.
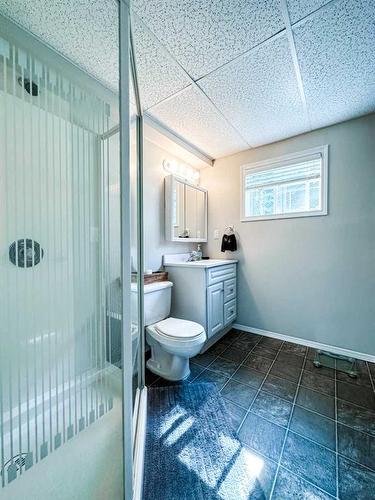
193, 256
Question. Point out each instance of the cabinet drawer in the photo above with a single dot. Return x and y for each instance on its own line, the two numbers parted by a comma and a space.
220, 273
230, 312
230, 289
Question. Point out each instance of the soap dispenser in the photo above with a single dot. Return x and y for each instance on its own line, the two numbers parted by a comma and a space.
199, 252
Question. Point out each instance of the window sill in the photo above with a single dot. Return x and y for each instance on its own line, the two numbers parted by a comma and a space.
295, 215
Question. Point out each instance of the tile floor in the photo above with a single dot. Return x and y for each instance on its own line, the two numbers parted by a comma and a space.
314, 428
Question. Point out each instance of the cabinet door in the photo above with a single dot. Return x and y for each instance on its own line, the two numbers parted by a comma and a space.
215, 308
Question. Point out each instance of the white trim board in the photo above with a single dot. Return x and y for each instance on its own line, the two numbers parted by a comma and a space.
139, 446
308, 343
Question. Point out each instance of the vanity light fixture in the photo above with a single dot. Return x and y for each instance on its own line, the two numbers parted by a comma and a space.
185, 172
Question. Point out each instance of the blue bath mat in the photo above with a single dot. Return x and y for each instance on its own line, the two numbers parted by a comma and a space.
192, 452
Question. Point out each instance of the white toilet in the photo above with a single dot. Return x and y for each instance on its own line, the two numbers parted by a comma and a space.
173, 341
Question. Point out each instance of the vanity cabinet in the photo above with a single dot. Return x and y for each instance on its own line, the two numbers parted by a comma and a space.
205, 293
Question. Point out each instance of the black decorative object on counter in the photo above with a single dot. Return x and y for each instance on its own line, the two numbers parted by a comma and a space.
25, 252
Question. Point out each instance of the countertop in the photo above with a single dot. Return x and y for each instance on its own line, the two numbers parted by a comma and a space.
202, 263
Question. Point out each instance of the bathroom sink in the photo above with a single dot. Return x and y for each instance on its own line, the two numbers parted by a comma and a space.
211, 262
180, 260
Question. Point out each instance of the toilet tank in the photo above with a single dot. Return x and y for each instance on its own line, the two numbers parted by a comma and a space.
157, 301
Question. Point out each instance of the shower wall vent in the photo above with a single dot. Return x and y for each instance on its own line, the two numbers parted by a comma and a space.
30, 86
25, 253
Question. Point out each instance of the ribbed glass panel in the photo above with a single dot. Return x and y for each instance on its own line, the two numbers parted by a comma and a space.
55, 266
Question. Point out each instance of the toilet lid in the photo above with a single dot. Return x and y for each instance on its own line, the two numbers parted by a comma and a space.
179, 328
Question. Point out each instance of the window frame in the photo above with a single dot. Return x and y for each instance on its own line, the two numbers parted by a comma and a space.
281, 161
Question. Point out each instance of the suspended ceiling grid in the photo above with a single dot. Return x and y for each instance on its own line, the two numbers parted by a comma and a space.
225, 75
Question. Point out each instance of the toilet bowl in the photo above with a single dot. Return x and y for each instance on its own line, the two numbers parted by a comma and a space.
172, 341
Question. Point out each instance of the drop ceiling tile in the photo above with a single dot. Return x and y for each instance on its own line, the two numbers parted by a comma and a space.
159, 76
335, 49
191, 115
302, 8
258, 93
203, 35
84, 31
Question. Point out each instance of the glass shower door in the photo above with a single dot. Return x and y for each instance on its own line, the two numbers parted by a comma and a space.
62, 286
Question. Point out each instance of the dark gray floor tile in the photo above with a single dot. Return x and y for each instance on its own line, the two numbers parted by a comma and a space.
362, 396
262, 436
266, 352
286, 370
316, 401
236, 413
234, 354
280, 387
317, 382
356, 445
359, 418
263, 470
299, 350
224, 366
150, 377
231, 336
249, 376
224, 341
292, 487
217, 348
363, 378
195, 370
203, 359
253, 337
258, 363
313, 426
246, 341
270, 342
311, 461
217, 378
372, 370
162, 382
238, 393
272, 408
290, 359
327, 372
355, 482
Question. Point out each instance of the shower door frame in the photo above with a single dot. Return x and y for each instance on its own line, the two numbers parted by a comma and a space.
134, 412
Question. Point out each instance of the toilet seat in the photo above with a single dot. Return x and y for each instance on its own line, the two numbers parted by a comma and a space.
178, 329
173, 342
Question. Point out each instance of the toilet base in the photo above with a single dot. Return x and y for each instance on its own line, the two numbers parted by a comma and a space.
168, 366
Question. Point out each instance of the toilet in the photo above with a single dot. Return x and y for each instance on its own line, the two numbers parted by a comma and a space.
172, 341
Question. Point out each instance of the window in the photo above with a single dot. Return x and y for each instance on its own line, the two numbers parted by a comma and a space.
290, 186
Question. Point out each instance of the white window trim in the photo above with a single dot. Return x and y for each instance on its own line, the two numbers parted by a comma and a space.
271, 163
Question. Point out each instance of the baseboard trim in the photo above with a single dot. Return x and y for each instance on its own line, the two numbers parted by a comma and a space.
139, 445
308, 343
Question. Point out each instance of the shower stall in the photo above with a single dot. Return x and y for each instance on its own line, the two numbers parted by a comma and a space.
70, 370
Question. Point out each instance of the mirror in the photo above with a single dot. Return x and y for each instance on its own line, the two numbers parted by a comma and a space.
185, 211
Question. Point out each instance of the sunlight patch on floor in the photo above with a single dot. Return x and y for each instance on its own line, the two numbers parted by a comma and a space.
172, 416
242, 477
180, 430
215, 458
